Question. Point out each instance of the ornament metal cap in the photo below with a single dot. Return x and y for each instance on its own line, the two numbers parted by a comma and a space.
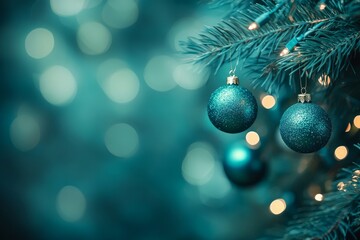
232, 80
304, 97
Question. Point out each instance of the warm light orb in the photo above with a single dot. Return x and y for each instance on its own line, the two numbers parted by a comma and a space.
324, 80
341, 186
341, 152
322, 6
284, 52
348, 128
253, 26
319, 197
39, 43
268, 102
357, 121
277, 206
252, 138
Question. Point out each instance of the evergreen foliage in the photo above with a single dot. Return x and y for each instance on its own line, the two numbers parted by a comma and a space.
336, 217
326, 50
322, 42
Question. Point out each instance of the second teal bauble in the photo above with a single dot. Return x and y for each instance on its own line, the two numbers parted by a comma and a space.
305, 127
243, 166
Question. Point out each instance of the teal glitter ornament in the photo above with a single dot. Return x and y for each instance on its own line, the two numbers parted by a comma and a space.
305, 127
243, 167
232, 108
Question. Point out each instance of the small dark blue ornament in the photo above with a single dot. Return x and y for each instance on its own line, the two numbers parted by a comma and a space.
232, 108
243, 167
305, 127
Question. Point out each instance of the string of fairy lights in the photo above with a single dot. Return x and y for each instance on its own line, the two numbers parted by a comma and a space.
291, 45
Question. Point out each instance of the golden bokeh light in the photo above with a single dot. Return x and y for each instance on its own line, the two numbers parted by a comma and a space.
252, 138
253, 26
324, 80
319, 197
277, 206
341, 152
357, 121
322, 6
348, 128
268, 102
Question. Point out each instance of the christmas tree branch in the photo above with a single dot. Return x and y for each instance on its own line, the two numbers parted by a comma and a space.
326, 50
222, 3
336, 217
231, 38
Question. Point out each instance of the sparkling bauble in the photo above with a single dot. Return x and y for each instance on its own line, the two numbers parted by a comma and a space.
232, 108
305, 127
243, 167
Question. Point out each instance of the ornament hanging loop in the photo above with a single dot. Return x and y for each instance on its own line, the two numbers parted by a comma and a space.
232, 79
303, 96
303, 90
232, 72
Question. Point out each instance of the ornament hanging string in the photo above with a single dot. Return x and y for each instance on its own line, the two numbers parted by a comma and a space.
303, 88
233, 70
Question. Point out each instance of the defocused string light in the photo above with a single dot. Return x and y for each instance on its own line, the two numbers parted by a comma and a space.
67, 8
322, 5
341, 186
357, 121
277, 206
122, 86
341, 152
158, 73
348, 128
93, 38
120, 14
39, 43
70, 204
324, 80
25, 132
122, 140
252, 138
268, 101
319, 197
199, 164
58, 85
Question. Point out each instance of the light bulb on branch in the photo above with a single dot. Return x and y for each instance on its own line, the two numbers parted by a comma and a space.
295, 41
265, 17
322, 5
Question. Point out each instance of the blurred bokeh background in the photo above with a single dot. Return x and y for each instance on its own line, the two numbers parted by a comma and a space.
105, 135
